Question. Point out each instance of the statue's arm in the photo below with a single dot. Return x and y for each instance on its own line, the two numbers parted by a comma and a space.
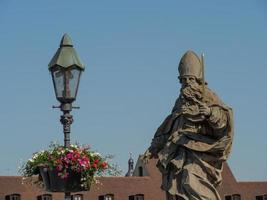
158, 140
157, 144
151, 152
161, 136
218, 118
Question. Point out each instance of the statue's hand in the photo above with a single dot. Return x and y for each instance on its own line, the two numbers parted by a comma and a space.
204, 109
185, 110
189, 111
146, 156
174, 137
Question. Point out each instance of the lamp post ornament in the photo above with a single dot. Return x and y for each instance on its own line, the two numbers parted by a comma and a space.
66, 68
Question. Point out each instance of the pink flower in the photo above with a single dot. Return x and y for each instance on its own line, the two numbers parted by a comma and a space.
70, 156
59, 167
83, 163
85, 159
77, 154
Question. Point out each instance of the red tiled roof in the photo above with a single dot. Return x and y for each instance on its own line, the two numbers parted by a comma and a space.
122, 187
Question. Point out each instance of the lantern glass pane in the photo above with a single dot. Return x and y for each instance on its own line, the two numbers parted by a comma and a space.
58, 79
72, 83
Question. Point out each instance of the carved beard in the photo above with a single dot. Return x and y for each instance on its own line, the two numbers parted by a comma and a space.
191, 96
192, 92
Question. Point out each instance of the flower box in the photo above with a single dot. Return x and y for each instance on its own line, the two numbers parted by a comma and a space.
67, 169
54, 183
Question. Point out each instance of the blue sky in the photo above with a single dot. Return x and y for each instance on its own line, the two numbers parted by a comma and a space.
131, 50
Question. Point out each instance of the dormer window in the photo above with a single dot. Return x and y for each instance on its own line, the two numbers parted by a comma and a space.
77, 197
233, 197
13, 197
45, 197
106, 197
137, 197
236, 197
261, 197
228, 197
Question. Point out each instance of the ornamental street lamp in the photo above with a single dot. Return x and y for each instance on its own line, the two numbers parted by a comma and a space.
66, 68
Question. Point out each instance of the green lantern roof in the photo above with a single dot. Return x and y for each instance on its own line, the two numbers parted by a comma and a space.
66, 55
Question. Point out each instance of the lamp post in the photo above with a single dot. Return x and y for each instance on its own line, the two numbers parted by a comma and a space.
66, 68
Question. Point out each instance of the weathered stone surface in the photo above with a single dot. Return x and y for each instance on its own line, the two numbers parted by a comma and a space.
195, 139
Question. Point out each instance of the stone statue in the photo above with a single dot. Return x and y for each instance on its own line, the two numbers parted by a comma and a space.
194, 140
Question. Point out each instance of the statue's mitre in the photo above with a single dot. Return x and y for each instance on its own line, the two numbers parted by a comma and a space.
190, 65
